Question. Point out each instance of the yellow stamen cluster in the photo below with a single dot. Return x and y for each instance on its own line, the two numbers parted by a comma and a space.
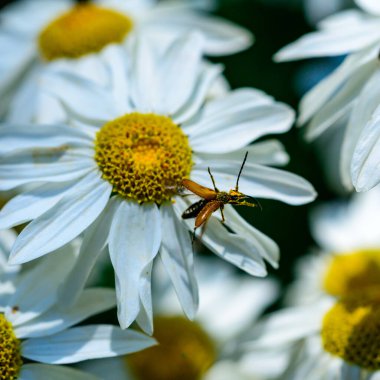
352, 272
185, 352
351, 329
10, 357
144, 156
85, 29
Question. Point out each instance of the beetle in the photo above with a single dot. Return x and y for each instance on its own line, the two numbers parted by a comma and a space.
214, 199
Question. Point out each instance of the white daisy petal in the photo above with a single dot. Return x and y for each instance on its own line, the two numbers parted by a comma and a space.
331, 42
177, 256
267, 248
221, 37
44, 371
342, 100
269, 152
257, 180
33, 203
82, 343
320, 94
135, 238
81, 97
61, 224
34, 297
371, 6
366, 159
233, 248
362, 111
103, 367
25, 168
7, 239
350, 372
29, 137
94, 242
56, 319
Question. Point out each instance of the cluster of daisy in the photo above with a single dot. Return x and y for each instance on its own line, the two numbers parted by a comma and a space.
116, 132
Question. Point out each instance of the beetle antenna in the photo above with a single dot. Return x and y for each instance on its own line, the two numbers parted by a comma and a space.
212, 179
241, 169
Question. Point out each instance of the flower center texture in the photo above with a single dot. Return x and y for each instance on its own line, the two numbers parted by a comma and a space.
10, 357
185, 352
352, 272
84, 29
351, 329
145, 157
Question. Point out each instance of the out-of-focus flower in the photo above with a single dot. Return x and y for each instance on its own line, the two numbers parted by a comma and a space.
33, 326
351, 91
333, 331
186, 350
40, 33
348, 235
114, 172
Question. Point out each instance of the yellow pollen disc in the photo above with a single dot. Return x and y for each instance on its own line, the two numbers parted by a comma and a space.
351, 329
143, 156
185, 352
10, 357
352, 272
85, 29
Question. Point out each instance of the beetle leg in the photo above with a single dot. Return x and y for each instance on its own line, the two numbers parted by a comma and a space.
213, 181
222, 213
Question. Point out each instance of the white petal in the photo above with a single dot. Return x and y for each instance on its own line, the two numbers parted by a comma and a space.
269, 152
28, 167
342, 100
321, 93
94, 242
257, 180
360, 115
82, 343
45, 371
31, 204
179, 72
366, 159
201, 90
266, 247
332, 42
221, 36
28, 136
103, 367
135, 238
7, 239
33, 297
81, 97
177, 256
231, 130
91, 301
350, 372
65, 221
371, 6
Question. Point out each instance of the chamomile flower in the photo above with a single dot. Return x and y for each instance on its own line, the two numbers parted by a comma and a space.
333, 329
351, 91
114, 173
196, 350
349, 238
40, 33
36, 334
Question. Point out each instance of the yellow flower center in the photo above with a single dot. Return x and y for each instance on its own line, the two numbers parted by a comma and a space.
143, 156
10, 357
351, 329
352, 272
185, 352
85, 29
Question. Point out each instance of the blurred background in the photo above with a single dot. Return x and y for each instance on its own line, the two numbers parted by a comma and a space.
276, 23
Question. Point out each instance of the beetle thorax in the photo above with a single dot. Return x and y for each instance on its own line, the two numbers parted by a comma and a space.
223, 196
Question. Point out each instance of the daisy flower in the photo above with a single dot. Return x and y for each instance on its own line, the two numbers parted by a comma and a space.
350, 92
114, 172
349, 238
64, 32
333, 328
36, 334
200, 349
